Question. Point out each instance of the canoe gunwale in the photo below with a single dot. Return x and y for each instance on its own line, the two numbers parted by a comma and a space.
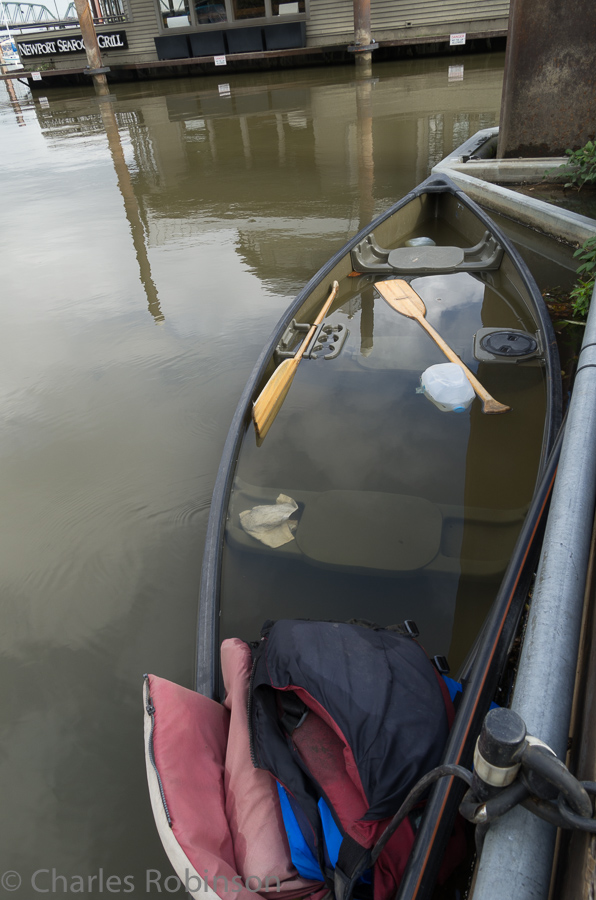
481, 681
207, 657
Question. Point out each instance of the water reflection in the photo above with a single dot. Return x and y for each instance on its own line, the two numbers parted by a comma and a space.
14, 99
351, 150
373, 465
131, 206
112, 429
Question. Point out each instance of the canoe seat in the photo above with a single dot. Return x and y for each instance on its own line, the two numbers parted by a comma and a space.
407, 530
486, 255
371, 531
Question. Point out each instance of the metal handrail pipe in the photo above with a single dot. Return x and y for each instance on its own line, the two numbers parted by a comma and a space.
518, 852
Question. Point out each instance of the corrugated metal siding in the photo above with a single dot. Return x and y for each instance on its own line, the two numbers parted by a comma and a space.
331, 17
395, 13
144, 26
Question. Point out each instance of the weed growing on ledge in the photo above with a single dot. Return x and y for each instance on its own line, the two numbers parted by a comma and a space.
582, 292
580, 167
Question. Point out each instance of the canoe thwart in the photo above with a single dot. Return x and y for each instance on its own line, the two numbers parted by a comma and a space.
326, 337
486, 255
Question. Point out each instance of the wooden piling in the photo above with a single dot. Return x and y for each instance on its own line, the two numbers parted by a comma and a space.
91, 44
362, 38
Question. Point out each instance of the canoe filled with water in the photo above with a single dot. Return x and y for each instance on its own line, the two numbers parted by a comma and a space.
364, 492
396, 508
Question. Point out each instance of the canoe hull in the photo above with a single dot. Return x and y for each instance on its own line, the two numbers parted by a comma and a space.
435, 201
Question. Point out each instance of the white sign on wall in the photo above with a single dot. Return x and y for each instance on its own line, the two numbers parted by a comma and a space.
220, 61
456, 39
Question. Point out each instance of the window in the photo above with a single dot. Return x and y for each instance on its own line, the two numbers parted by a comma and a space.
193, 14
208, 12
106, 11
249, 9
283, 8
174, 13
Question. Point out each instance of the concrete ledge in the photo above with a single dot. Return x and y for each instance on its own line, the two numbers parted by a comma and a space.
475, 175
513, 171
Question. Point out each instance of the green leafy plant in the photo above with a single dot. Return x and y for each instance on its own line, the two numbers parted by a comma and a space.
582, 292
580, 167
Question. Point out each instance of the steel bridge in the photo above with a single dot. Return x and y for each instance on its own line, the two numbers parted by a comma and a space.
17, 15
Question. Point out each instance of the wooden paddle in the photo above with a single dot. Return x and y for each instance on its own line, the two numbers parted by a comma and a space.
268, 403
403, 298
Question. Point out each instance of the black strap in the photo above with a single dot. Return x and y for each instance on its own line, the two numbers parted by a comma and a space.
353, 860
294, 711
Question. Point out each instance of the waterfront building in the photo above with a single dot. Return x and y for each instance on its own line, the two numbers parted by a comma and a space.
174, 34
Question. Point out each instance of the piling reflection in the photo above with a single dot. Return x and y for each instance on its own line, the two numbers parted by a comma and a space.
61, 120
13, 98
366, 180
131, 206
327, 156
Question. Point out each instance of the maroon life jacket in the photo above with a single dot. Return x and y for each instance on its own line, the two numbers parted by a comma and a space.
347, 718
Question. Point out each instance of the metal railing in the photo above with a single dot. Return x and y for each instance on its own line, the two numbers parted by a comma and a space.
518, 852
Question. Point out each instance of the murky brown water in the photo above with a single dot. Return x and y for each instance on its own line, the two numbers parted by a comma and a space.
405, 461
149, 244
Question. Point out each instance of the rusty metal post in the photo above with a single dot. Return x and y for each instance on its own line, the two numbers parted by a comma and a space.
549, 89
91, 44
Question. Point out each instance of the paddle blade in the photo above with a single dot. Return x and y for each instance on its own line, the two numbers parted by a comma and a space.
402, 298
491, 406
268, 403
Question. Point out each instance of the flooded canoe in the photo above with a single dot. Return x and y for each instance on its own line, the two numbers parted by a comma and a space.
402, 510
351, 488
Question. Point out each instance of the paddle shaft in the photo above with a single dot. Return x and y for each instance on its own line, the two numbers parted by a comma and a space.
317, 322
489, 404
269, 401
404, 299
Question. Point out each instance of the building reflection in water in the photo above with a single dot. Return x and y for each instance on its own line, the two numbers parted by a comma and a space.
293, 164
